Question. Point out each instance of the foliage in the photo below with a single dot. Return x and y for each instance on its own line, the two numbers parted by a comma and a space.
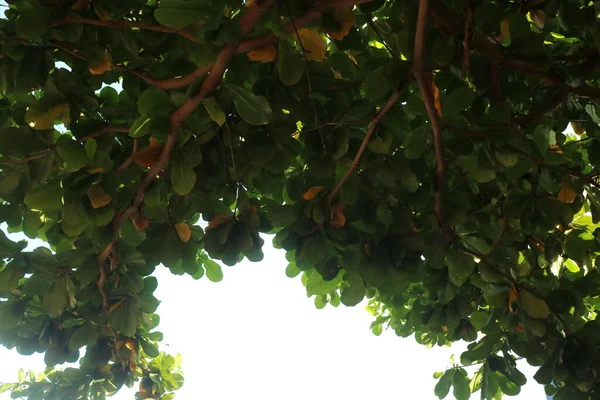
411, 152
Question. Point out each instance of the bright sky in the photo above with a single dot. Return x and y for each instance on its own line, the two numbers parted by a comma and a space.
256, 335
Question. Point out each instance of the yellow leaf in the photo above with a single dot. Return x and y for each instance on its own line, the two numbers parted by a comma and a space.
116, 305
149, 156
566, 193
183, 231
313, 43
351, 57
313, 192
577, 127
106, 368
337, 218
92, 171
265, 54
98, 197
250, 3
79, 4
42, 120
218, 220
445, 328
538, 17
101, 65
345, 18
436, 94
130, 344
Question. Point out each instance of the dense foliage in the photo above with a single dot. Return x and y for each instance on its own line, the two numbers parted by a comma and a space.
409, 151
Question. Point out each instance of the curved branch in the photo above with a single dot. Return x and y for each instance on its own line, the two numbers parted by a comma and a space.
124, 24
432, 112
248, 20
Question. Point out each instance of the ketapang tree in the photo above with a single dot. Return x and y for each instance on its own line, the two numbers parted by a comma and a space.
413, 152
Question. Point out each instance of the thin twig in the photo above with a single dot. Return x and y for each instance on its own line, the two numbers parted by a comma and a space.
469, 24
52, 149
304, 51
363, 146
434, 117
129, 160
379, 35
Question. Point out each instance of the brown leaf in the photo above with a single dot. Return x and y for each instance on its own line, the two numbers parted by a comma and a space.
313, 192
98, 197
265, 54
101, 65
139, 221
80, 4
519, 328
345, 17
183, 231
149, 156
218, 220
577, 127
436, 94
566, 193
538, 17
337, 218
314, 44
556, 149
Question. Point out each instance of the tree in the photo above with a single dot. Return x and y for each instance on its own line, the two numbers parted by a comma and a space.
412, 152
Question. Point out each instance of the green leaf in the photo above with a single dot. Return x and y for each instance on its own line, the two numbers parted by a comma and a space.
290, 64
10, 276
140, 127
126, 317
72, 153
459, 100
355, 293
442, 388
213, 270
19, 142
532, 305
152, 102
376, 84
183, 179
84, 335
179, 14
460, 266
214, 110
253, 109
57, 298
45, 198
460, 383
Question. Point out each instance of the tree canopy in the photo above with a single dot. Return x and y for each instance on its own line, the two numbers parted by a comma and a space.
412, 152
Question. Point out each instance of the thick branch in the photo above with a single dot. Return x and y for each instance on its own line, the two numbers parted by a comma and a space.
428, 98
125, 24
250, 18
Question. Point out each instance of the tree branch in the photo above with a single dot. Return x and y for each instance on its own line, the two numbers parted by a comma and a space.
418, 70
124, 24
363, 146
248, 20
